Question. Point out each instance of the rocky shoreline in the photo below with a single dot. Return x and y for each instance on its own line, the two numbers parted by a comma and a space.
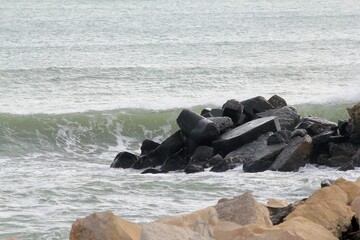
331, 213
256, 133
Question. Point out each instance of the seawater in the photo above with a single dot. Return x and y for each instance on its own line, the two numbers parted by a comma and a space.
82, 80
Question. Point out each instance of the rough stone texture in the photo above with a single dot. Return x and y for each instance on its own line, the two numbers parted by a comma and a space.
215, 160
354, 113
356, 159
282, 136
336, 161
255, 105
277, 101
212, 112
192, 168
222, 123
294, 155
344, 128
124, 160
355, 207
277, 214
148, 146
199, 128
233, 109
243, 210
104, 226
296, 229
342, 149
323, 138
276, 203
316, 125
288, 118
327, 207
177, 161
202, 155
352, 189
244, 134
346, 167
298, 133
201, 222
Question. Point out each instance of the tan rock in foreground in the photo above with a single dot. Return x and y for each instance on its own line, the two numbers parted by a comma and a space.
298, 228
243, 210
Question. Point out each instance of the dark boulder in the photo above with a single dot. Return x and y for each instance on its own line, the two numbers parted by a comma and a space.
344, 128
356, 158
346, 167
222, 123
148, 146
124, 160
323, 138
215, 160
177, 161
288, 117
336, 161
202, 156
255, 105
257, 155
294, 155
243, 119
277, 215
355, 138
233, 109
282, 136
144, 162
244, 134
298, 133
153, 171
199, 128
354, 113
212, 112
315, 125
277, 101
167, 148
192, 168
223, 166
342, 149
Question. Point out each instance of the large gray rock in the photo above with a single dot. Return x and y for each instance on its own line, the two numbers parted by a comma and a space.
342, 149
294, 155
199, 128
222, 123
202, 155
315, 125
255, 105
336, 161
124, 160
233, 109
257, 156
277, 101
177, 161
287, 116
244, 134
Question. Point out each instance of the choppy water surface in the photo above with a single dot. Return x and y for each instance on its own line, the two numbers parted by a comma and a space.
82, 80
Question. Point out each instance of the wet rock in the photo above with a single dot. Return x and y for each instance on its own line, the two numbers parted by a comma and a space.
294, 155
222, 123
298, 133
144, 162
124, 160
277, 214
355, 138
177, 161
244, 134
243, 119
255, 105
344, 128
339, 139
199, 128
243, 210
288, 118
148, 146
223, 166
153, 171
315, 125
233, 109
323, 138
215, 160
356, 158
282, 136
354, 113
214, 112
342, 149
192, 168
167, 148
257, 156
202, 155
346, 167
277, 101
336, 161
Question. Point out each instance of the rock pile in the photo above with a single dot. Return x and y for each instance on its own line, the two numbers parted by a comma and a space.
258, 133
331, 213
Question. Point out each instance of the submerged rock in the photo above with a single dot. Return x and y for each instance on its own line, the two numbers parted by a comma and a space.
124, 160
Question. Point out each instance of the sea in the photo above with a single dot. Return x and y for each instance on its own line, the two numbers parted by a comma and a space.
82, 80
